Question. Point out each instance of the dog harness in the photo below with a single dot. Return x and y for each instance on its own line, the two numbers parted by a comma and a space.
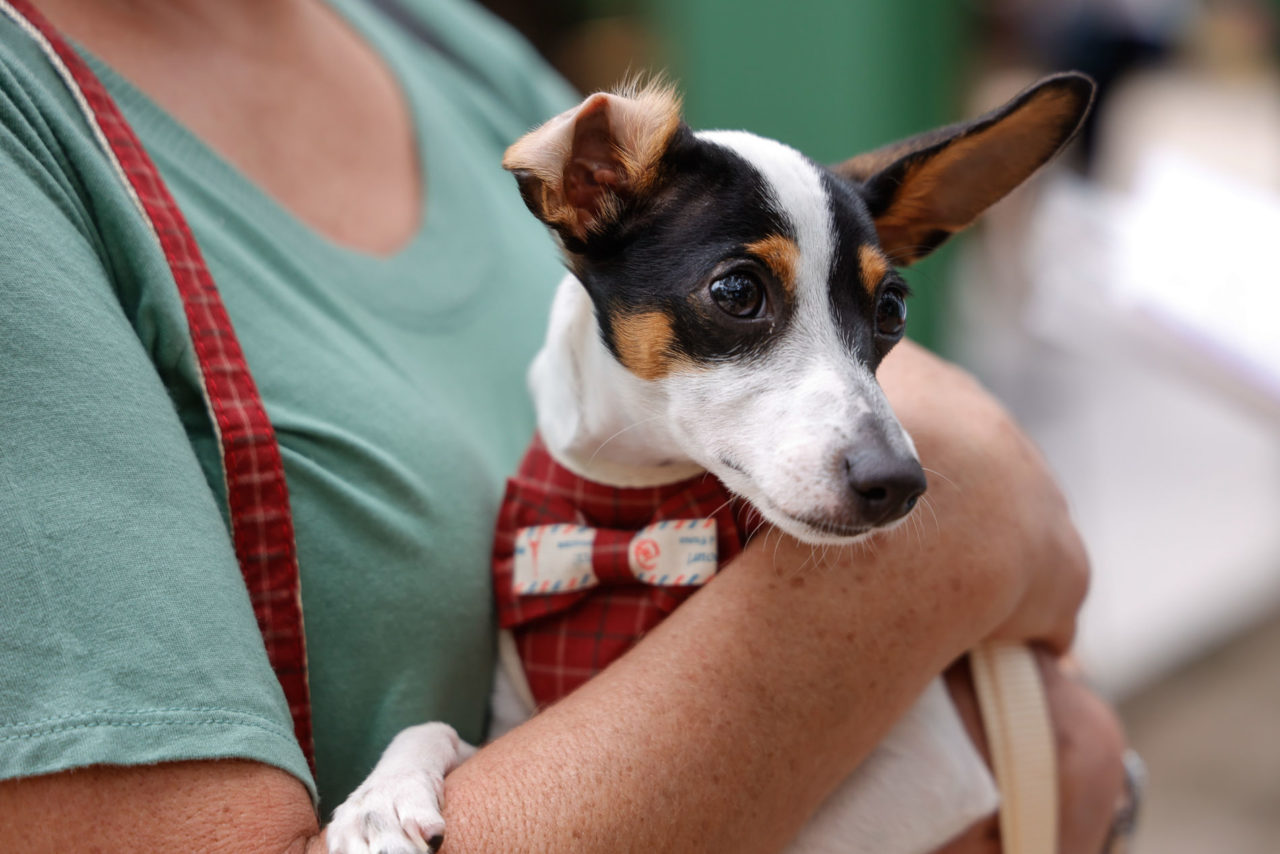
256, 494
582, 570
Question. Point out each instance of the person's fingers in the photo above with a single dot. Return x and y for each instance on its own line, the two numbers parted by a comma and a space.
992, 506
981, 838
1090, 746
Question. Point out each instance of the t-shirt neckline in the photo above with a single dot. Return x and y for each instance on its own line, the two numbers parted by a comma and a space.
420, 99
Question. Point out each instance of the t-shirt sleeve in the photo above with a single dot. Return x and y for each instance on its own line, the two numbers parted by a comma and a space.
126, 634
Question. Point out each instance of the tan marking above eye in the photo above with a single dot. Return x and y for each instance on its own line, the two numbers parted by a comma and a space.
873, 265
644, 343
781, 255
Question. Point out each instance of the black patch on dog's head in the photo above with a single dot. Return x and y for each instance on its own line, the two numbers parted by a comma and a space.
664, 249
649, 268
857, 286
852, 297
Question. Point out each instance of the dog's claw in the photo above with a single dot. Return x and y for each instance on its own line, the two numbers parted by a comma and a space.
397, 809
398, 815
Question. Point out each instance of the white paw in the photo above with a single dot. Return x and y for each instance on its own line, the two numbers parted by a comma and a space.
399, 815
397, 809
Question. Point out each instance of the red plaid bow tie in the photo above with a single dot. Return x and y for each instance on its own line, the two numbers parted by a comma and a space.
551, 559
582, 570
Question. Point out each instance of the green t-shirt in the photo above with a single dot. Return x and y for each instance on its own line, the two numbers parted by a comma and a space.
395, 384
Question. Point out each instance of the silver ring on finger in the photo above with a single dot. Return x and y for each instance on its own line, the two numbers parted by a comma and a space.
1125, 821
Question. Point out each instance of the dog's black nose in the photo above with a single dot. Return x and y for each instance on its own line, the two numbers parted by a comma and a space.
885, 486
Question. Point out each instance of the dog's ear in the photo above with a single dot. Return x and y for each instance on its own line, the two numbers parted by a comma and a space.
924, 189
577, 171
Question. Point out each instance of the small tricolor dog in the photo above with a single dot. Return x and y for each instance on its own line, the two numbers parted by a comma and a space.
710, 364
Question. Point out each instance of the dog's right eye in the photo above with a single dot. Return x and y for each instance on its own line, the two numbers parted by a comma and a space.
891, 313
738, 295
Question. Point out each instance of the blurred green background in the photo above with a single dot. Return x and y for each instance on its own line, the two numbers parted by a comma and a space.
829, 77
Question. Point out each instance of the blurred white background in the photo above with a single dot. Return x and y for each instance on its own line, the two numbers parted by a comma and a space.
1129, 314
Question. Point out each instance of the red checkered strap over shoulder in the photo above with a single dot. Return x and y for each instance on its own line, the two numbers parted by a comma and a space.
258, 500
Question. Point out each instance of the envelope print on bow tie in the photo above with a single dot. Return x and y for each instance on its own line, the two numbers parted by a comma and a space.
551, 559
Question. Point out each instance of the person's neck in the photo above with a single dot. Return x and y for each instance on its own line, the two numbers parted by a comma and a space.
595, 417
106, 26
287, 91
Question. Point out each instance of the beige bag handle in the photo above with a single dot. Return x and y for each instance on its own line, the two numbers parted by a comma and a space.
1015, 715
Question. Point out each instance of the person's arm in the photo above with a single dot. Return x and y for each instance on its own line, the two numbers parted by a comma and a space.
126, 632
229, 806
725, 727
992, 505
234, 806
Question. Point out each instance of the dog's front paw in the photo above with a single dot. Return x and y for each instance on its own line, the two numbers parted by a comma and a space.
397, 809
400, 815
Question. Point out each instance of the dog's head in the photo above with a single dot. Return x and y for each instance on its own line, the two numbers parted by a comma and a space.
754, 291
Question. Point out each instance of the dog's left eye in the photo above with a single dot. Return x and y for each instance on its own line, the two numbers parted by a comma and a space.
891, 313
738, 295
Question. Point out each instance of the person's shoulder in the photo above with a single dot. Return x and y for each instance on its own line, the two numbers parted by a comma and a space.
72, 228
493, 51
30, 88
18, 44
45, 139
469, 27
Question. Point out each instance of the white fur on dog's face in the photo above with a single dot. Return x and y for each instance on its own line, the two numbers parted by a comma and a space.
778, 430
777, 419
662, 357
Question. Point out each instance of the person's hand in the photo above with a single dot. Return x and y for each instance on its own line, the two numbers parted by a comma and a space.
998, 510
1090, 745
992, 505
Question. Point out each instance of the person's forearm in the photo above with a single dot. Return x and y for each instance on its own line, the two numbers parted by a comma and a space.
725, 728
229, 806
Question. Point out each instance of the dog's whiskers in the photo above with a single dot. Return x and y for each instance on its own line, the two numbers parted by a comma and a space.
632, 426
917, 525
927, 503
716, 511
941, 475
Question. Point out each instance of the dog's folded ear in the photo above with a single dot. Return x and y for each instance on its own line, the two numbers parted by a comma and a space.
578, 170
924, 189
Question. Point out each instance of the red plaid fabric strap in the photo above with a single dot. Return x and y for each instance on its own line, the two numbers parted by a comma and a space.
261, 523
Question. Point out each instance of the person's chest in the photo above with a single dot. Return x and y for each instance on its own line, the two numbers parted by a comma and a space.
294, 96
